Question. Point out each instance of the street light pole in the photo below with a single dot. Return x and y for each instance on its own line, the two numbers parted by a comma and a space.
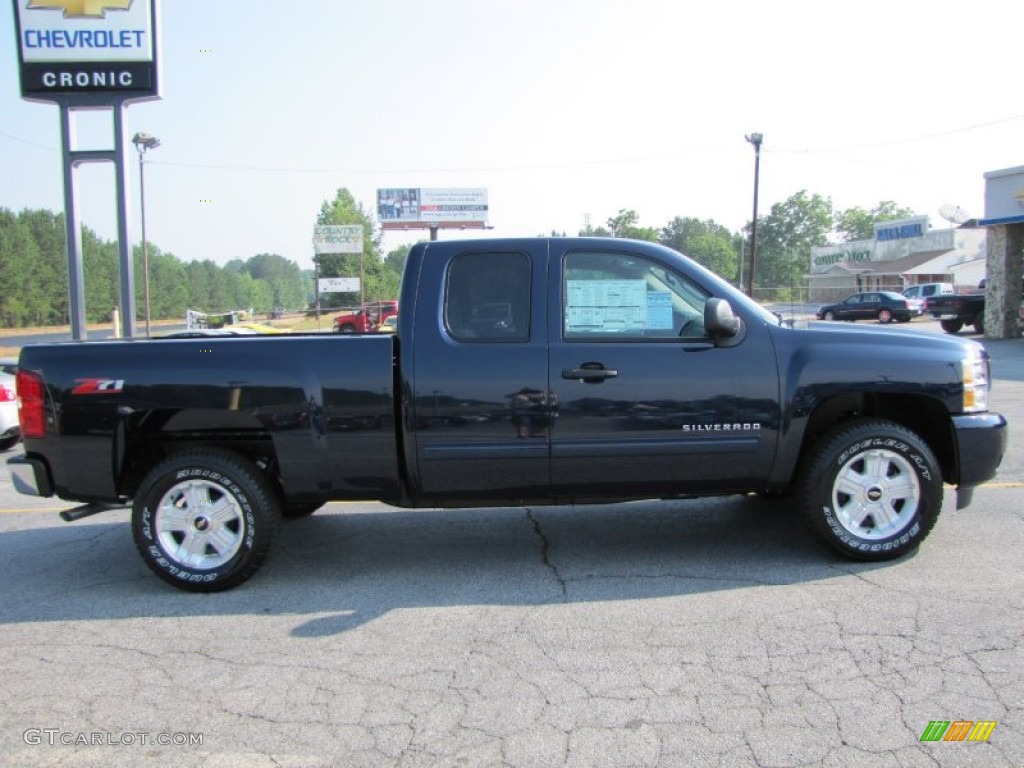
755, 139
142, 142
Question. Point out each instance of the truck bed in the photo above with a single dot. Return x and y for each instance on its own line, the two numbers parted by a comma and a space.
322, 407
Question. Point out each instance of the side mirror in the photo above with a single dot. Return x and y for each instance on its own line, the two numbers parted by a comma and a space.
719, 319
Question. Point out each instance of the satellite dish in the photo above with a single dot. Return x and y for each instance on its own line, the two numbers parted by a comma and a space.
954, 214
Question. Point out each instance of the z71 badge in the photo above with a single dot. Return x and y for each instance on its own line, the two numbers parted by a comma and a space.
97, 386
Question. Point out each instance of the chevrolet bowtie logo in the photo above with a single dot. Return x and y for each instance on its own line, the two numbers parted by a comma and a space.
82, 9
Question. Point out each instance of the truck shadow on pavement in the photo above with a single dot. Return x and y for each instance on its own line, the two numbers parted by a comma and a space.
340, 568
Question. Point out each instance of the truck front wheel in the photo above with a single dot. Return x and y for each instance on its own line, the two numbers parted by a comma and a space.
952, 326
204, 520
871, 490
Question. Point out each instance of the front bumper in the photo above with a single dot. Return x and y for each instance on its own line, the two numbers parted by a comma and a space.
980, 445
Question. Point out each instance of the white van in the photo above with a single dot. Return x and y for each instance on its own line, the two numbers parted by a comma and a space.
924, 290
917, 295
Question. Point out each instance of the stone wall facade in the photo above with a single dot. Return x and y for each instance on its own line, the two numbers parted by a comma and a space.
1005, 271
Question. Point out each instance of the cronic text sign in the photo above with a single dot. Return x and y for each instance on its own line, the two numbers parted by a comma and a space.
87, 48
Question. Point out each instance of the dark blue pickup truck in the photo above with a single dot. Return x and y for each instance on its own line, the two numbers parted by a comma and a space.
531, 371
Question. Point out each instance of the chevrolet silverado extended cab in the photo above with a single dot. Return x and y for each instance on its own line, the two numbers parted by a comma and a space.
532, 371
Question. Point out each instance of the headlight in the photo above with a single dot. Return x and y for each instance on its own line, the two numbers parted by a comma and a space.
976, 381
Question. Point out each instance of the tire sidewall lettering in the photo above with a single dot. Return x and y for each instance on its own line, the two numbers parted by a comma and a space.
159, 559
836, 455
861, 545
896, 446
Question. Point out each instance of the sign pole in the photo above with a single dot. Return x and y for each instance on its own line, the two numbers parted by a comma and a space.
316, 289
90, 78
72, 229
124, 243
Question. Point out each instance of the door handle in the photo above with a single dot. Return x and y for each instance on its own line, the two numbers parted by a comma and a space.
590, 374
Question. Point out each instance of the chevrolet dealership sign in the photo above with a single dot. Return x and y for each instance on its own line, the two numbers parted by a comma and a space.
87, 47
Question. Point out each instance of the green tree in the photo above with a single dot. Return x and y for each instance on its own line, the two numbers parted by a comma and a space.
784, 241
590, 231
345, 210
706, 242
17, 252
626, 224
859, 224
101, 275
168, 284
45, 278
281, 278
396, 259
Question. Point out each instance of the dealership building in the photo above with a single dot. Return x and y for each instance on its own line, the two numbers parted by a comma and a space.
1004, 222
902, 253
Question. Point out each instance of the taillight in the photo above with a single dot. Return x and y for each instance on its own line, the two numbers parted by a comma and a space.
31, 404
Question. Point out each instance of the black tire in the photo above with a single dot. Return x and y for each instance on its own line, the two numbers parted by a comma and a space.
347, 329
979, 322
300, 510
830, 316
227, 533
885, 316
9, 442
952, 326
870, 489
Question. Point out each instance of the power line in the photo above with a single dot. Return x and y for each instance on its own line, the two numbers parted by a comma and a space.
20, 140
894, 142
551, 166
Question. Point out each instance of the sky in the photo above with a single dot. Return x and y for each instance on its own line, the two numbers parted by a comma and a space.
566, 111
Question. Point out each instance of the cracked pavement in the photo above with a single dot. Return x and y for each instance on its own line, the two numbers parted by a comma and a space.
694, 633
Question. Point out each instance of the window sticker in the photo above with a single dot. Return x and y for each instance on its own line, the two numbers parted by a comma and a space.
608, 306
659, 310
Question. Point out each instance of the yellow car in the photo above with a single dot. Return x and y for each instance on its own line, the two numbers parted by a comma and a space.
389, 326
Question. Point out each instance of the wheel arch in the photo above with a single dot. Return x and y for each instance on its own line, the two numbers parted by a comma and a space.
925, 416
147, 438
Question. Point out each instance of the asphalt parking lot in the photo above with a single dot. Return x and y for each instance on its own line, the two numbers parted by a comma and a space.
697, 633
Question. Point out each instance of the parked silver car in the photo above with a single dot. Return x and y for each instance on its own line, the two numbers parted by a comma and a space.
10, 433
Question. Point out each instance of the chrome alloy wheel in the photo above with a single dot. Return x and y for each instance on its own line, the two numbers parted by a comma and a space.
199, 524
876, 494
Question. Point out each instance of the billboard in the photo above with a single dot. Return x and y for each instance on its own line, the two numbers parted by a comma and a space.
414, 207
87, 48
338, 238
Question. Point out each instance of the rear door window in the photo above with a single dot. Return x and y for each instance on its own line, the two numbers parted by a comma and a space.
488, 297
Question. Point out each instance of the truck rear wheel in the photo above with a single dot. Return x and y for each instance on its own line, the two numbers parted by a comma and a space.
979, 322
204, 520
871, 490
952, 326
